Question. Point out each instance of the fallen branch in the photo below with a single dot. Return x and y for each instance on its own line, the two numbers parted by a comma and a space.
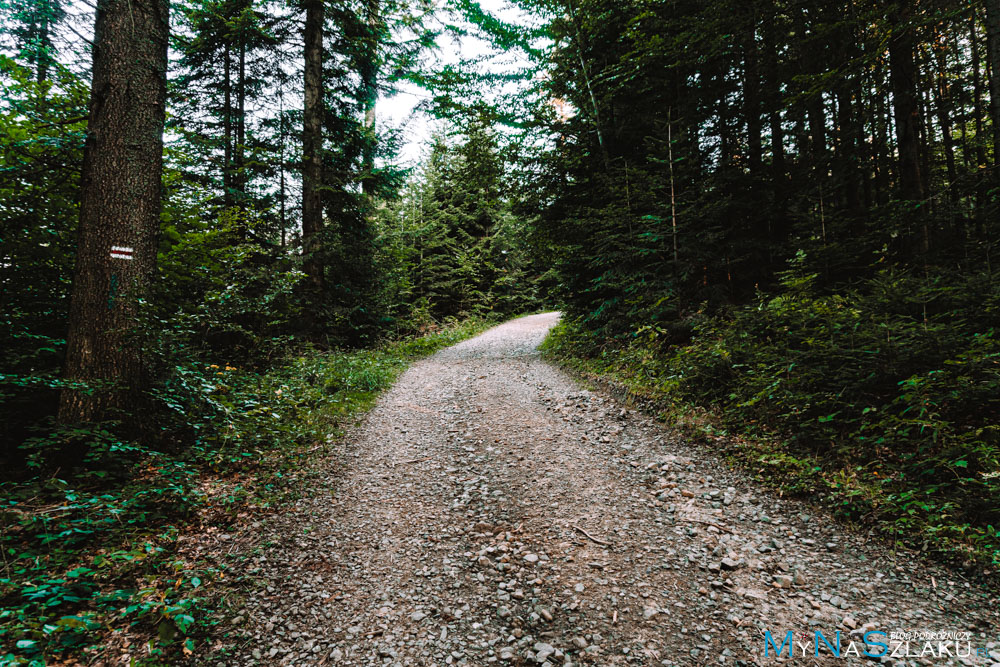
591, 537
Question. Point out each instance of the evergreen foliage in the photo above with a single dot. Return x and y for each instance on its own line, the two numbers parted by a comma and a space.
786, 212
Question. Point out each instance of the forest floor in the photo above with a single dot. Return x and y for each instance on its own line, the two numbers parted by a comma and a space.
490, 511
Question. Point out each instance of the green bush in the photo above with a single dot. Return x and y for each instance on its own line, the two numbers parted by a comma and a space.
103, 511
885, 398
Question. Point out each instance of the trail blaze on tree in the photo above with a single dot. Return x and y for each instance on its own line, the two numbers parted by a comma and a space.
782, 213
120, 207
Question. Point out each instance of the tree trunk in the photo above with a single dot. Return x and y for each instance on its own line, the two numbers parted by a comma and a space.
119, 208
774, 99
944, 107
903, 80
312, 143
241, 119
44, 44
369, 87
982, 191
817, 130
882, 141
227, 124
751, 97
993, 51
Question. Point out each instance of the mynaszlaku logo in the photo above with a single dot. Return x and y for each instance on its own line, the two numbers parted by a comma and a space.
874, 644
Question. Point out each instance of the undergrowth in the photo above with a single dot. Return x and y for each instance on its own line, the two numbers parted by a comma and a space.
90, 542
879, 403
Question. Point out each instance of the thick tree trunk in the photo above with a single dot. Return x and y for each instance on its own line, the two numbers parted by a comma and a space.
119, 208
849, 138
849, 118
906, 108
774, 99
817, 131
312, 143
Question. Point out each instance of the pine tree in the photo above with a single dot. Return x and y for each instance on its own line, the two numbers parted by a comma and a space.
120, 207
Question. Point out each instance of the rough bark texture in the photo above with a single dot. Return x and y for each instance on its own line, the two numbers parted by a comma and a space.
120, 205
312, 142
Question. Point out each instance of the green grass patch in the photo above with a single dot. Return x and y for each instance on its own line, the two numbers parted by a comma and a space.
90, 550
808, 396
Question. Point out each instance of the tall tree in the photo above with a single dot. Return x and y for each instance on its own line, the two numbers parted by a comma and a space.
902, 56
32, 24
120, 206
312, 143
369, 70
993, 48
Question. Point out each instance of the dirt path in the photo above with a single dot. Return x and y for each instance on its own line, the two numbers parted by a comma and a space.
489, 511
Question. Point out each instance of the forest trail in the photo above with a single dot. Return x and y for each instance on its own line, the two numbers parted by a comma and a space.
489, 511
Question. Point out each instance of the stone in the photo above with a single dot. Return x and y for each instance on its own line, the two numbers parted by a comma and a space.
543, 651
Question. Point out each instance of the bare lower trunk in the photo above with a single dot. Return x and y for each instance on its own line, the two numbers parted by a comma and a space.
119, 208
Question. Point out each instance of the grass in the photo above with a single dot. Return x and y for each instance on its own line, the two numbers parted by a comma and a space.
94, 560
910, 513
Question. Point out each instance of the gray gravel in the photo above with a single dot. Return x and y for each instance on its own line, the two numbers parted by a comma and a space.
490, 511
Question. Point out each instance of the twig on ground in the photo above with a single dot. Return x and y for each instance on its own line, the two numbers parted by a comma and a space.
591, 537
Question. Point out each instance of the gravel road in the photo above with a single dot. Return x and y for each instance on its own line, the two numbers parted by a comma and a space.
490, 511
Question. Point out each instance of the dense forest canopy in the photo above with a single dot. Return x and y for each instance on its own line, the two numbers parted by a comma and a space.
781, 211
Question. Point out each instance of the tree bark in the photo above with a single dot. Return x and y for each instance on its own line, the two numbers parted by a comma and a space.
944, 107
982, 191
227, 125
312, 143
369, 86
775, 99
240, 179
751, 96
906, 109
119, 208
